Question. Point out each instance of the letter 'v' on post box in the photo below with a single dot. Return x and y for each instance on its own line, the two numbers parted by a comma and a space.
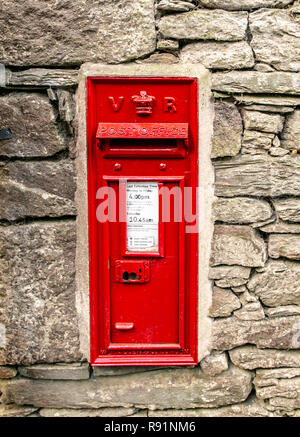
142, 155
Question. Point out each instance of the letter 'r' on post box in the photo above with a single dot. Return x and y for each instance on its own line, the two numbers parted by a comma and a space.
142, 150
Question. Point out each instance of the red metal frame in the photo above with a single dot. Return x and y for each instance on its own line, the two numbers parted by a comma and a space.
103, 352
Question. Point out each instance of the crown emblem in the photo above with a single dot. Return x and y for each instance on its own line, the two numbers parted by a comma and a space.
144, 103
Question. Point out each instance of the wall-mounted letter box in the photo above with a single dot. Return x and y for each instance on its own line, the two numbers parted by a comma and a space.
142, 135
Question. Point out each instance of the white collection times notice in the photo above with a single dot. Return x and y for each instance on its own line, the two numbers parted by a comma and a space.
142, 216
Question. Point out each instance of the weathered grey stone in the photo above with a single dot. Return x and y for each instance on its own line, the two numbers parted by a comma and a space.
256, 142
249, 357
159, 58
284, 245
66, 105
289, 310
291, 131
277, 151
240, 289
37, 274
126, 370
168, 45
260, 121
224, 301
288, 209
7, 372
214, 364
277, 284
241, 210
37, 189
282, 403
256, 82
258, 175
13, 410
175, 5
281, 228
264, 68
251, 408
219, 55
32, 122
98, 30
238, 5
243, 175
87, 412
237, 245
251, 309
267, 100
74, 371
270, 108
279, 333
43, 77
204, 24
227, 130
279, 384
275, 38
229, 276
175, 388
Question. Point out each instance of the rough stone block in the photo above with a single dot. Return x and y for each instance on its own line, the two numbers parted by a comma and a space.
175, 388
43, 77
238, 5
74, 371
250, 408
218, 55
87, 412
227, 130
13, 410
32, 121
224, 301
249, 357
288, 209
241, 210
229, 276
168, 45
283, 311
256, 82
37, 189
284, 245
214, 364
279, 333
125, 370
175, 5
260, 121
275, 38
237, 245
258, 175
277, 284
291, 131
279, 385
205, 24
281, 228
37, 274
72, 32
7, 372
251, 309
256, 142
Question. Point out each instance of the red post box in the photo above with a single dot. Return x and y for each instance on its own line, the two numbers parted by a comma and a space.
142, 136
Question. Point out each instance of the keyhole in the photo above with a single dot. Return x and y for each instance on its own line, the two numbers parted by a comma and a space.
125, 276
132, 276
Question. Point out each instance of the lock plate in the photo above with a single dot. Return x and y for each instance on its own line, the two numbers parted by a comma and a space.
132, 272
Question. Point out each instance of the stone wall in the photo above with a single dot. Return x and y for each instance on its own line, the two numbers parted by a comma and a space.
252, 49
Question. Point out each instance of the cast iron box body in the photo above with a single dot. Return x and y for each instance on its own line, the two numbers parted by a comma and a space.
142, 136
